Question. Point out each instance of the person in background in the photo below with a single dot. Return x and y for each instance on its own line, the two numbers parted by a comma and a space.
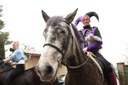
18, 57
95, 46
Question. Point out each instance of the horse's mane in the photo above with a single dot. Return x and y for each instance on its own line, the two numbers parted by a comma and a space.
77, 40
76, 33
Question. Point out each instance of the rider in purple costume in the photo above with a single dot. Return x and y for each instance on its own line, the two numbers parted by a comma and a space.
95, 46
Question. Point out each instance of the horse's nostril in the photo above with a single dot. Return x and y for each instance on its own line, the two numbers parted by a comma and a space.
49, 69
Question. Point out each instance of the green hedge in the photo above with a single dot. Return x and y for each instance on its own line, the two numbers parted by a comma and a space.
126, 73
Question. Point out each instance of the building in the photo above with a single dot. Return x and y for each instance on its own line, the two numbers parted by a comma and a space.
32, 59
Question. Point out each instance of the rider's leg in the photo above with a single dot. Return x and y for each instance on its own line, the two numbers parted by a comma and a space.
108, 70
111, 78
19, 68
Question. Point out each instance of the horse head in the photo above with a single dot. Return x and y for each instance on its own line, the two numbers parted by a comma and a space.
56, 48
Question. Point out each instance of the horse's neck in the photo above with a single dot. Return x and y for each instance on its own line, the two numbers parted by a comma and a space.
77, 56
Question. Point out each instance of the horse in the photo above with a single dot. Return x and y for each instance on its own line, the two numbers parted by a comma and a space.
62, 46
28, 77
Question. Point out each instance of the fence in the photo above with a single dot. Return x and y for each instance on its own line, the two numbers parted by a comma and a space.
123, 73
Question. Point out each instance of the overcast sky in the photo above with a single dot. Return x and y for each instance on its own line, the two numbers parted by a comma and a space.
24, 21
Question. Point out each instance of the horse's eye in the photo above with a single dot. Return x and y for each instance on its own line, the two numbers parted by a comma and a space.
62, 31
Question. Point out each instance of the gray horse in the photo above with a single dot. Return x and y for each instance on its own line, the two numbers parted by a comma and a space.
62, 46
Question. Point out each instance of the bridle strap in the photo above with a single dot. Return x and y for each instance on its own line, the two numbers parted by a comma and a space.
48, 44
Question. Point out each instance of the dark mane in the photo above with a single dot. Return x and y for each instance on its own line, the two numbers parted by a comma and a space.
76, 32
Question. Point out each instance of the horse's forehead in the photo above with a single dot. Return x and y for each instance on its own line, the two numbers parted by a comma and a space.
64, 24
54, 26
55, 20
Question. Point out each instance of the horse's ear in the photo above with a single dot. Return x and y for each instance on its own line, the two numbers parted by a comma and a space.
45, 16
70, 17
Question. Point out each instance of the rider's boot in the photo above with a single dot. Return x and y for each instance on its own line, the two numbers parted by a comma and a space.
111, 78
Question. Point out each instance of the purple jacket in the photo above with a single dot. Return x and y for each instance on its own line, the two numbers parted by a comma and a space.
95, 46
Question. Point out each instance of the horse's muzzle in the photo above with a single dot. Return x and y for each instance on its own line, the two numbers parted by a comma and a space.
45, 74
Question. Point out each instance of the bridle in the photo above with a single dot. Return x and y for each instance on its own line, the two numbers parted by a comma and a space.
61, 52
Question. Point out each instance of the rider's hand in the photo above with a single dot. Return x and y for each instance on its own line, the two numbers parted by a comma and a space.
85, 50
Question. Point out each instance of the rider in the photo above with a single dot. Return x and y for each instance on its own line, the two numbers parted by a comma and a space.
18, 57
95, 46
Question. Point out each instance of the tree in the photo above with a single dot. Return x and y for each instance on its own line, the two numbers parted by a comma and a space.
3, 37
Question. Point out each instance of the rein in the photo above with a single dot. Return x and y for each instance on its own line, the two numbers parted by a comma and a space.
78, 66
